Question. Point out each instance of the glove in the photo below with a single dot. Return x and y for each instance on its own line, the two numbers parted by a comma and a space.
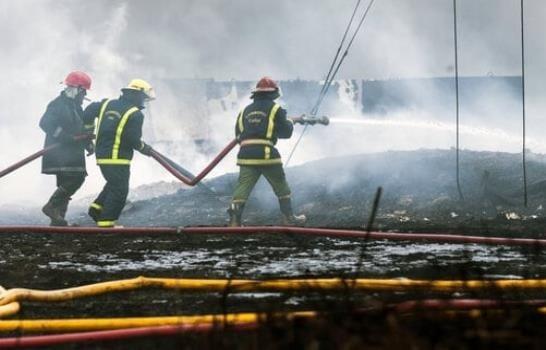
90, 148
146, 149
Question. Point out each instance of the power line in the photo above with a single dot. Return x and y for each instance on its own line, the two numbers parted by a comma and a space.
332, 73
457, 134
523, 107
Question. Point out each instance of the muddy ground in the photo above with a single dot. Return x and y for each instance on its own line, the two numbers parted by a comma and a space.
420, 195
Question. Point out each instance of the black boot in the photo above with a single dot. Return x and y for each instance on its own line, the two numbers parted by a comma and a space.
55, 207
63, 208
288, 217
235, 213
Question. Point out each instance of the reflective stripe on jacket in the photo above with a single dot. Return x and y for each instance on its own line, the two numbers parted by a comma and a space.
258, 127
119, 130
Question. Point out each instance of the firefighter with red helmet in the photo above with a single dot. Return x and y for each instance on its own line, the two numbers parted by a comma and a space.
259, 125
62, 122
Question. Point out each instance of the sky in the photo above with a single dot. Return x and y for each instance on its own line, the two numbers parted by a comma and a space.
115, 41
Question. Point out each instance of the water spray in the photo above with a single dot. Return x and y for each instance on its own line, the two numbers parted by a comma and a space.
439, 126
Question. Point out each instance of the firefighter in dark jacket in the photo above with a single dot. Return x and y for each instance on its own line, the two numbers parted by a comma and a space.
118, 134
258, 127
62, 121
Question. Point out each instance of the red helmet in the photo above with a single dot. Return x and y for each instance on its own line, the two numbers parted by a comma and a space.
266, 84
78, 79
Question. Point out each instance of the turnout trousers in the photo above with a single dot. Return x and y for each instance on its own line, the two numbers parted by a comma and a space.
106, 209
70, 182
250, 174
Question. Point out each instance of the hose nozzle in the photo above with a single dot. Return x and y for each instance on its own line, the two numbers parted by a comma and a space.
305, 120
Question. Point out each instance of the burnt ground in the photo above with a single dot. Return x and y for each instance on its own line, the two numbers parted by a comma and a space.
420, 195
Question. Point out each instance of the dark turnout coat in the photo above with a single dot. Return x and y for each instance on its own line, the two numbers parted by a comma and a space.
258, 127
62, 120
119, 130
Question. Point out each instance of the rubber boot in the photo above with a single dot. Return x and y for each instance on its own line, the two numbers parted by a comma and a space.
235, 212
54, 208
288, 217
63, 208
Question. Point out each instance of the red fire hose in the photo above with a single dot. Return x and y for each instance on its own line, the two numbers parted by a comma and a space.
28, 160
155, 154
38, 154
118, 334
157, 331
309, 231
192, 182
463, 304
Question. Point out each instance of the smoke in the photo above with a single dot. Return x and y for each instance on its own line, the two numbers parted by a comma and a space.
167, 40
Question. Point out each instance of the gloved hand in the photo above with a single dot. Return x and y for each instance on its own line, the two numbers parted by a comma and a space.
146, 149
90, 148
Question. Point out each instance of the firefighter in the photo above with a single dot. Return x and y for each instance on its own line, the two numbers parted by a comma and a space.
62, 121
118, 134
257, 129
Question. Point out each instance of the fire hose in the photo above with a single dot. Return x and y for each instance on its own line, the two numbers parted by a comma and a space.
40, 153
274, 285
290, 230
161, 159
9, 308
175, 169
117, 334
172, 167
100, 329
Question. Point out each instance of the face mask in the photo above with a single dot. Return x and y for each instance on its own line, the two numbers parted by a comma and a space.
71, 91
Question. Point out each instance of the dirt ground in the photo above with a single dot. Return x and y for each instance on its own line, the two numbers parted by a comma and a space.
419, 195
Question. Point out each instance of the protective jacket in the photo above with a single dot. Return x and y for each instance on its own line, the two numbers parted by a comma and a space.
258, 127
62, 120
119, 130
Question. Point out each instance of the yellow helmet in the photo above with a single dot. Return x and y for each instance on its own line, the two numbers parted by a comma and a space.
141, 85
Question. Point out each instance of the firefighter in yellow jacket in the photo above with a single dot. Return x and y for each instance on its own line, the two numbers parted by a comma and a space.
118, 134
258, 127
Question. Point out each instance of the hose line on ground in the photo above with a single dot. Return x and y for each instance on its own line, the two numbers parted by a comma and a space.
274, 285
291, 230
156, 326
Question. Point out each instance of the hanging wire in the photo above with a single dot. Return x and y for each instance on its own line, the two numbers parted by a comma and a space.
332, 72
523, 107
324, 86
457, 134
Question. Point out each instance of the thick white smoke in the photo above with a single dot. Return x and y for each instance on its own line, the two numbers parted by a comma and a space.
165, 40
